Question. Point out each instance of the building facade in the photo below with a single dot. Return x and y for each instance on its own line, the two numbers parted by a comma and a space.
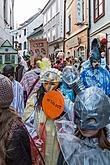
53, 24
25, 30
76, 37
100, 23
6, 20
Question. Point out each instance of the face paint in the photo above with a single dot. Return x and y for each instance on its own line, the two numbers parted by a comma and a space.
48, 86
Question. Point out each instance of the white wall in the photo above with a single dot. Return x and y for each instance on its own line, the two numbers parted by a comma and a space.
56, 20
4, 28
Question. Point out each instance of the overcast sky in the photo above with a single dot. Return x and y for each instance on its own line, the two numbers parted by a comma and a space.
24, 9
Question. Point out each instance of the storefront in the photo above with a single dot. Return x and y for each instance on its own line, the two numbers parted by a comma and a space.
77, 45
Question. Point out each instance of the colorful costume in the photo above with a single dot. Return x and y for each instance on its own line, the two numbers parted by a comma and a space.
41, 128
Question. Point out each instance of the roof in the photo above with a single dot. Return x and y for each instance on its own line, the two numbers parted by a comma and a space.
28, 21
36, 30
46, 5
7, 48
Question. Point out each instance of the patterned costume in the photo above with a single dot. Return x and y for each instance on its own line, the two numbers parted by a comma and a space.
41, 129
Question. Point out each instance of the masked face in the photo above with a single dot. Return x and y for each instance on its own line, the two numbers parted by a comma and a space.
51, 79
91, 109
48, 86
95, 63
95, 58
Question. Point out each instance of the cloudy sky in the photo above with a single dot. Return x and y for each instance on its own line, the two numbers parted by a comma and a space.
24, 9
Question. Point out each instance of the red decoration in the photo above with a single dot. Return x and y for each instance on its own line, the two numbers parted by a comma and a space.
104, 41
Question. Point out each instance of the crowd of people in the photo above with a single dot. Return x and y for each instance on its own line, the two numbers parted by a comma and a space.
56, 112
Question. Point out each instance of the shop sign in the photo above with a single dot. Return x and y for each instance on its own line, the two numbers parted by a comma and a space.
72, 42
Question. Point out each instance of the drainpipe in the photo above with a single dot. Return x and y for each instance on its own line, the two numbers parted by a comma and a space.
89, 27
64, 26
106, 50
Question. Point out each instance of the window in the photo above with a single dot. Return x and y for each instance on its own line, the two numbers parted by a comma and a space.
5, 10
53, 34
83, 10
20, 46
24, 32
48, 36
7, 59
16, 35
69, 21
48, 15
68, 24
12, 59
45, 35
0, 59
24, 45
54, 9
24, 53
99, 9
19, 35
45, 18
81, 51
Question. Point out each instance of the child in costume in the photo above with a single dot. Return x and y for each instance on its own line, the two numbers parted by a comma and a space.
87, 142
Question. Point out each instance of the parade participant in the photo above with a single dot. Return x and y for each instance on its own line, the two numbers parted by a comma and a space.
30, 81
94, 74
14, 141
89, 142
18, 99
39, 124
69, 76
21, 68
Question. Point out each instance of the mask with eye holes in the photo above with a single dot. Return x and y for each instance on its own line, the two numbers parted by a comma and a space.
92, 109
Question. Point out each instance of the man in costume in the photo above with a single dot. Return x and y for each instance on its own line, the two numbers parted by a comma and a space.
94, 74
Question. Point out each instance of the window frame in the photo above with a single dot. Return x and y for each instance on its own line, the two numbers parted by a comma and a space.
24, 45
103, 10
24, 32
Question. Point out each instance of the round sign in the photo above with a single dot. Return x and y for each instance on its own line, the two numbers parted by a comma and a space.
53, 104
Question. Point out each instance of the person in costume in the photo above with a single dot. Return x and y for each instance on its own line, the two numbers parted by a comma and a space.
40, 127
94, 74
69, 77
21, 68
87, 142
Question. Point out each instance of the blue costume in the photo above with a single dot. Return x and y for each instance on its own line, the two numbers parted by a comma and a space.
69, 76
94, 74
96, 77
